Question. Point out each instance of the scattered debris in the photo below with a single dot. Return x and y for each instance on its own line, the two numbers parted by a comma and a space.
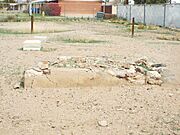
103, 123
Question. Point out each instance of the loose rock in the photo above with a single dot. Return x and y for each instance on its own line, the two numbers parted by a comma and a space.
138, 79
103, 123
33, 72
117, 73
121, 73
17, 86
131, 72
153, 74
46, 71
139, 72
43, 65
170, 94
154, 81
111, 72
158, 65
126, 66
140, 69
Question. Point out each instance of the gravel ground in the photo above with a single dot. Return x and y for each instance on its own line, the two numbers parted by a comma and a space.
126, 109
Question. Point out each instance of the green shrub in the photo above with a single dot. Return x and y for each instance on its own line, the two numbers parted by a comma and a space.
12, 18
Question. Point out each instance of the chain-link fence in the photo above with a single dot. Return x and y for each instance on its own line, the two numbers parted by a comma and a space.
167, 15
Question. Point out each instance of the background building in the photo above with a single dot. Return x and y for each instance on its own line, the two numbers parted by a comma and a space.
87, 8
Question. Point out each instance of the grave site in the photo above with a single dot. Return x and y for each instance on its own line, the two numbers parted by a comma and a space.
89, 77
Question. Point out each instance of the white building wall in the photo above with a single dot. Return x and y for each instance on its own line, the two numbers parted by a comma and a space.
175, 1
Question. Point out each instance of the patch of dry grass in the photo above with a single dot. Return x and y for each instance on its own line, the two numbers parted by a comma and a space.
169, 38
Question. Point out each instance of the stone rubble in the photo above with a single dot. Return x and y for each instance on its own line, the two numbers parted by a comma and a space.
139, 72
33, 72
43, 65
42, 68
153, 75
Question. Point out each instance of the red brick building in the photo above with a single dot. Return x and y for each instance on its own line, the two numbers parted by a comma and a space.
80, 7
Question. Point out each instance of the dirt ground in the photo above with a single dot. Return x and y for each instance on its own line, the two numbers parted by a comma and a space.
128, 109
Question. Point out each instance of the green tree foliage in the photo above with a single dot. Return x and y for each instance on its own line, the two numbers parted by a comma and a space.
150, 1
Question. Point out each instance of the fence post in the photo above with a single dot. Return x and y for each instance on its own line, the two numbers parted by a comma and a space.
144, 21
164, 21
32, 24
132, 28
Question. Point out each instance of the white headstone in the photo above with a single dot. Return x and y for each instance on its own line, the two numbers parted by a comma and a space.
32, 45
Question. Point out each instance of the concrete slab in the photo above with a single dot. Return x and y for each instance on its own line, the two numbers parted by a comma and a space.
32, 45
64, 77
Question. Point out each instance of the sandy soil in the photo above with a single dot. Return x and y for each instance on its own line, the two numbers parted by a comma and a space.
128, 109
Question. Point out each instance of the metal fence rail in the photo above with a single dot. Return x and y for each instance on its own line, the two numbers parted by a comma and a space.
166, 15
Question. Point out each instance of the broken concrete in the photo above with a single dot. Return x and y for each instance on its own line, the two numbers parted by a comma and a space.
64, 77
138, 79
117, 73
89, 71
33, 72
131, 72
153, 74
32, 45
43, 65
154, 81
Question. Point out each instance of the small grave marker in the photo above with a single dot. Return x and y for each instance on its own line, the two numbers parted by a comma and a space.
32, 45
